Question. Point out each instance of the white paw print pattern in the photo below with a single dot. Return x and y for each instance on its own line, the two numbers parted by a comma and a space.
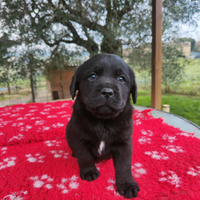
68, 117
194, 172
35, 158
157, 155
7, 162
58, 125
52, 143
47, 109
1, 133
44, 113
34, 110
61, 113
22, 118
17, 137
173, 148
18, 124
186, 134
18, 109
35, 118
26, 128
55, 107
14, 115
43, 181
52, 116
137, 122
32, 106
15, 196
43, 128
65, 105
170, 139
59, 154
41, 122
3, 150
144, 140
47, 105
139, 114
138, 170
29, 114
5, 114
72, 184
4, 123
111, 187
147, 133
171, 178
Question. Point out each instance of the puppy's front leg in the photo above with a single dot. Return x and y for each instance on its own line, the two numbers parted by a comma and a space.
88, 170
122, 159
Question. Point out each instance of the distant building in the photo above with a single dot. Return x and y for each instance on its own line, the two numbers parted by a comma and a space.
185, 47
58, 82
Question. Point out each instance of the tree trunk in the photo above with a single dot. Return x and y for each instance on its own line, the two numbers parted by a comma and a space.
111, 45
32, 86
167, 88
8, 81
8, 87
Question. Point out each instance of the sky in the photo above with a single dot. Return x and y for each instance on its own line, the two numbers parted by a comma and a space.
187, 30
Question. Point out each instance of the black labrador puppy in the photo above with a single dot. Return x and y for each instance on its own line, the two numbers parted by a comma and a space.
101, 124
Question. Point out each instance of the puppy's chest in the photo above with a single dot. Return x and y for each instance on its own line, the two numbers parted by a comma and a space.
103, 141
101, 147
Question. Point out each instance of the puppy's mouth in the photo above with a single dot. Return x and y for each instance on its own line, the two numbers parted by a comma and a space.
105, 111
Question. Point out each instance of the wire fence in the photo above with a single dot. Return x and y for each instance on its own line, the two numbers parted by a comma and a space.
21, 92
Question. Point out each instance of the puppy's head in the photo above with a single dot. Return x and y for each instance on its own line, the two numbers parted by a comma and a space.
104, 83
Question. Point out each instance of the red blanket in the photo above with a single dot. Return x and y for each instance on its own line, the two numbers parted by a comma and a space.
36, 162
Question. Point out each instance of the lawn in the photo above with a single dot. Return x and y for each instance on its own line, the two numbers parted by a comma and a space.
191, 80
185, 106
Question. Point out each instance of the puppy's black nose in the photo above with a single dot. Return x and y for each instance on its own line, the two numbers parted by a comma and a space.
107, 92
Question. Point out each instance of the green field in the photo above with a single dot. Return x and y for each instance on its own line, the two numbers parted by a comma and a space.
185, 100
191, 81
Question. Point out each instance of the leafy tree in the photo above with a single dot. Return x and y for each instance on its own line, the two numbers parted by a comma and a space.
7, 73
30, 65
172, 68
140, 59
98, 26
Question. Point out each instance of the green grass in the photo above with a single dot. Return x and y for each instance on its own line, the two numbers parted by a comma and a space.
191, 80
184, 106
193, 68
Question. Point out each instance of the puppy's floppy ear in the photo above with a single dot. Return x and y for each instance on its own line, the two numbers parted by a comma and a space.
74, 84
133, 86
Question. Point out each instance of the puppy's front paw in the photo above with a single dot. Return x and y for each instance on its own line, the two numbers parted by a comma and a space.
128, 189
89, 174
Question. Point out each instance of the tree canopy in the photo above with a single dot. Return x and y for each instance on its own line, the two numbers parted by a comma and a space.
95, 25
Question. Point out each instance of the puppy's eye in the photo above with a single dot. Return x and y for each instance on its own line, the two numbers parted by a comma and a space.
121, 79
92, 77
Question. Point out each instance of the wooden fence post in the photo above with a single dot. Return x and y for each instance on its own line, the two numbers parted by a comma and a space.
156, 54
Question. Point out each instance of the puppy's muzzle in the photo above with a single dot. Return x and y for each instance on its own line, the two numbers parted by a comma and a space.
107, 93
